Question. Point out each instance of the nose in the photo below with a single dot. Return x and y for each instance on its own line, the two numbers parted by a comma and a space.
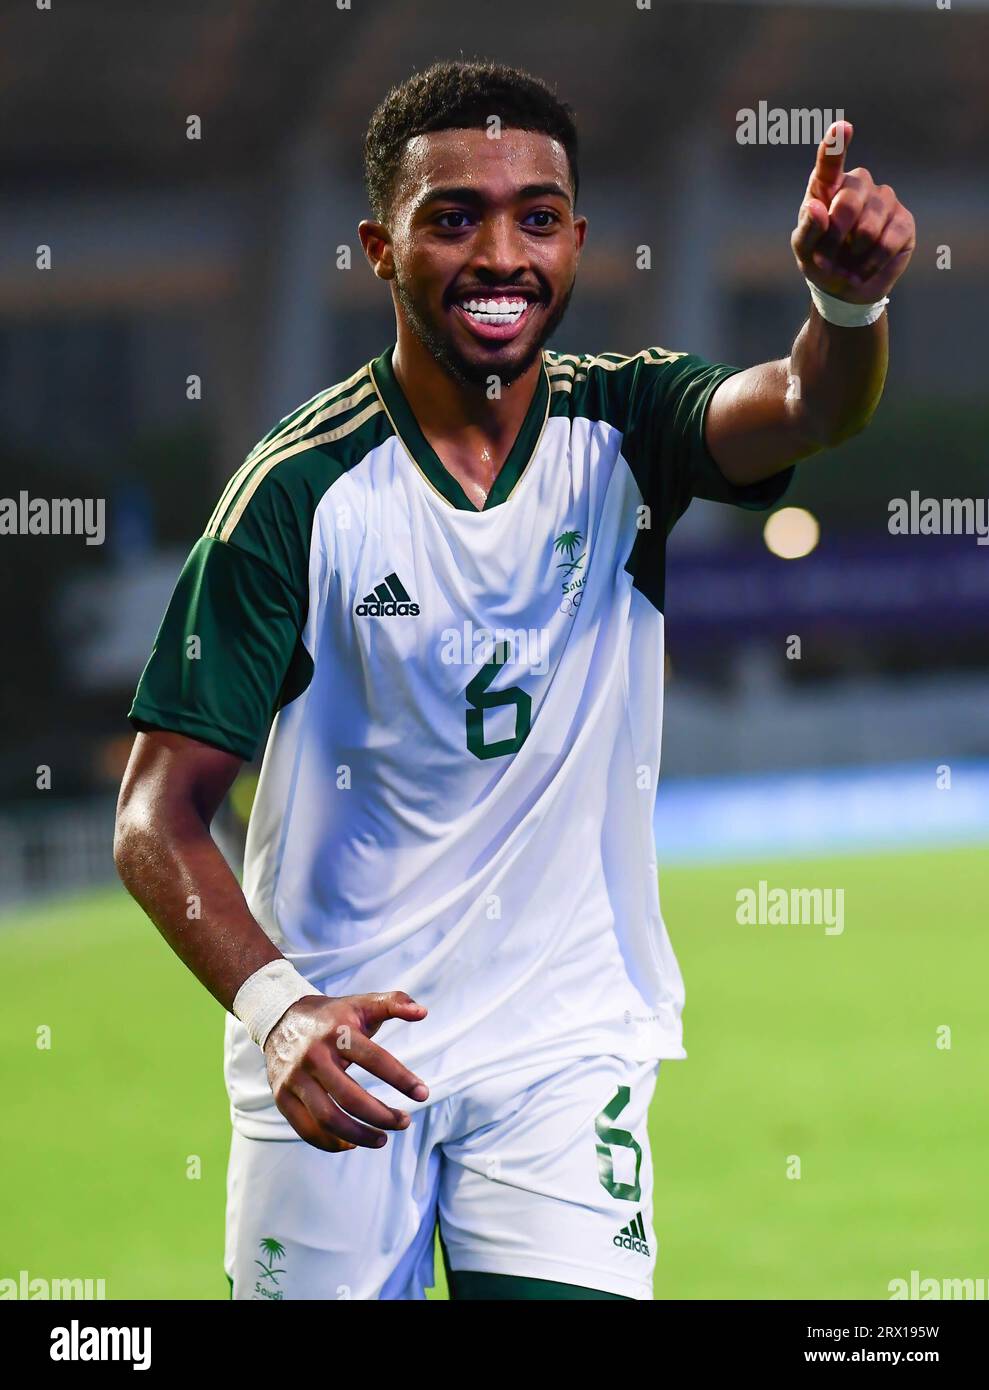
499, 253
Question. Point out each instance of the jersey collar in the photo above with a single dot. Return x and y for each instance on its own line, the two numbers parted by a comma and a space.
426, 459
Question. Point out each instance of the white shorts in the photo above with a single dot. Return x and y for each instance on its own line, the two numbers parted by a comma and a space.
535, 1175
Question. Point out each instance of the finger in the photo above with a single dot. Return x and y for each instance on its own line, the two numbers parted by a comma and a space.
897, 232
829, 167
844, 211
811, 226
306, 1128
877, 213
393, 1003
327, 1072
380, 1063
330, 1119
896, 243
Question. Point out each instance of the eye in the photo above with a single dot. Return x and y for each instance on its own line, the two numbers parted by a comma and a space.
545, 212
454, 212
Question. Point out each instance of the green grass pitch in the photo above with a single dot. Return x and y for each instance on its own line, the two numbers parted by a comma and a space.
823, 1047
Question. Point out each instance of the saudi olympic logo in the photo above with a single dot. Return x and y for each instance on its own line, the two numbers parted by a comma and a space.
567, 543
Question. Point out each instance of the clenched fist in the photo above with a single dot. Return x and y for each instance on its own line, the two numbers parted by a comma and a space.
854, 238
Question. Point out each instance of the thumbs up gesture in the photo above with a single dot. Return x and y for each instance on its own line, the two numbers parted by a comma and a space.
853, 238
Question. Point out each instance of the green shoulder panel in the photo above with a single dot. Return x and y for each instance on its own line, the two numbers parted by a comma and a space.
658, 400
597, 386
229, 650
268, 505
226, 648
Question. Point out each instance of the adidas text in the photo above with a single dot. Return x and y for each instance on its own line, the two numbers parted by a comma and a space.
625, 1242
387, 610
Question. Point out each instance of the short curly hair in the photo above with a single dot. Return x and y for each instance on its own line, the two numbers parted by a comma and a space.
459, 94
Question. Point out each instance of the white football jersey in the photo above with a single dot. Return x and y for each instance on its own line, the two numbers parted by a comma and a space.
456, 797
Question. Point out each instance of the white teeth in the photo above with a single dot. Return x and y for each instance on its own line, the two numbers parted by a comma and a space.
495, 310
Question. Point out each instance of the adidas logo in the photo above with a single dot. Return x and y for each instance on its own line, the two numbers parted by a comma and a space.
389, 600
633, 1237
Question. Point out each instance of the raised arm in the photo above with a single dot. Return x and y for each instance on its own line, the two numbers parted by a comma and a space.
853, 241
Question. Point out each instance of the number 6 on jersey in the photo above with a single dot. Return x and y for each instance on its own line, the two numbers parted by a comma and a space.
480, 698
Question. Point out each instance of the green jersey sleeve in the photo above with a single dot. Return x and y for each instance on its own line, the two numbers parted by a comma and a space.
229, 652
225, 652
669, 394
659, 400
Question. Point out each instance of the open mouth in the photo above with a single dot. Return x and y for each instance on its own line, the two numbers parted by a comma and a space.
495, 317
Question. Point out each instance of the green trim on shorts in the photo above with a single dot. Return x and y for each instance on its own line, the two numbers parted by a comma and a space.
468, 1284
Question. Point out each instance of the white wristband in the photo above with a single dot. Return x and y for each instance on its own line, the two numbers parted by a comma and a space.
842, 313
265, 995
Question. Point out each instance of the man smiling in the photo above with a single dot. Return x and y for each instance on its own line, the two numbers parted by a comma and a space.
451, 848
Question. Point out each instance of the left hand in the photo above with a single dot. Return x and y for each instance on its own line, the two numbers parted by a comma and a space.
853, 238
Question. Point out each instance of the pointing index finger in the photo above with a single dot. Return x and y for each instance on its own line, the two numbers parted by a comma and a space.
829, 168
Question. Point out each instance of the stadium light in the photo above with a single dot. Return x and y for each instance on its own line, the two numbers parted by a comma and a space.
791, 533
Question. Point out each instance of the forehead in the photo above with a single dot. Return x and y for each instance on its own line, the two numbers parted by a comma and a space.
473, 159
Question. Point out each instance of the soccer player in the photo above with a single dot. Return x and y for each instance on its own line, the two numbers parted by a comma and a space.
440, 581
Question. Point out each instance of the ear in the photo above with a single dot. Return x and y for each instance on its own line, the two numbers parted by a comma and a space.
377, 248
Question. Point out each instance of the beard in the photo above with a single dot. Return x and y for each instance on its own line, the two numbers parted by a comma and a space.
441, 346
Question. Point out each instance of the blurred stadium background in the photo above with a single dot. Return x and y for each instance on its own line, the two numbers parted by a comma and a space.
861, 765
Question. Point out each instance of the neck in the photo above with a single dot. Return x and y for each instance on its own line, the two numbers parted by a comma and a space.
471, 434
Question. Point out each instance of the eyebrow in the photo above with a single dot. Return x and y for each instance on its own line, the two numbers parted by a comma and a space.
476, 197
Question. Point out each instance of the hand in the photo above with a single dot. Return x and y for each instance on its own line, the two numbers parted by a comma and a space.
308, 1052
853, 239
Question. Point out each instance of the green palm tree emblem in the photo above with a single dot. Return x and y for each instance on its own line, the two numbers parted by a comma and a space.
566, 543
273, 1249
